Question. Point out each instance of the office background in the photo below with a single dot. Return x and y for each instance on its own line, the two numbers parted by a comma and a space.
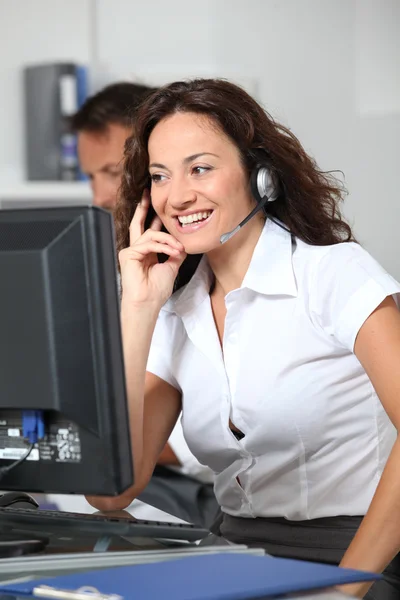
330, 69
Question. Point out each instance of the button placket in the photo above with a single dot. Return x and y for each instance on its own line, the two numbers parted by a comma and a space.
232, 351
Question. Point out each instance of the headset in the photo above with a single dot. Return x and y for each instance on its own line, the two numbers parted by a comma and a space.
264, 190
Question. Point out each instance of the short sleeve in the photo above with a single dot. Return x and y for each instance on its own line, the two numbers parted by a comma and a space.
163, 345
348, 285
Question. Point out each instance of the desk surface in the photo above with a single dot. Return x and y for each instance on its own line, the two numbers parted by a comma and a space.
65, 554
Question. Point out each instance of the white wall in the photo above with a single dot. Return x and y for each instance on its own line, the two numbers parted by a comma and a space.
327, 68
34, 31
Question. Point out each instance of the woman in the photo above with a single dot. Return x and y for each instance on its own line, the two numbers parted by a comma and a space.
282, 346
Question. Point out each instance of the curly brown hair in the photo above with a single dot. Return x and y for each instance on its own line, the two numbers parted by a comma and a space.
308, 203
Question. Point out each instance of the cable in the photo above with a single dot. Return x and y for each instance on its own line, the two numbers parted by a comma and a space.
281, 225
5, 470
32, 430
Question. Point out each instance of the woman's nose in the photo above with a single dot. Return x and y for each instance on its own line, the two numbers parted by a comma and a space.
181, 194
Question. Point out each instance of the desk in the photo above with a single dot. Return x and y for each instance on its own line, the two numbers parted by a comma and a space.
68, 555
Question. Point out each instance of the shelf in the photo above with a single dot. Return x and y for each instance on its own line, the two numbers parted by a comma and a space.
46, 190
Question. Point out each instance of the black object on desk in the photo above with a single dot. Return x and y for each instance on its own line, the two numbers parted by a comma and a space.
18, 500
98, 524
14, 544
18, 544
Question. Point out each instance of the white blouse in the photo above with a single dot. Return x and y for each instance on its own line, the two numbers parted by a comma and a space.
316, 435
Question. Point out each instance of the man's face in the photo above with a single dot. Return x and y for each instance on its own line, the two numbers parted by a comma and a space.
100, 157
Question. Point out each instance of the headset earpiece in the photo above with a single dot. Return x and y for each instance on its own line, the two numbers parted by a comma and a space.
262, 185
263, 190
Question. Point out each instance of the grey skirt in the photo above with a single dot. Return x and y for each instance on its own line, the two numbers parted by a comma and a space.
319, 540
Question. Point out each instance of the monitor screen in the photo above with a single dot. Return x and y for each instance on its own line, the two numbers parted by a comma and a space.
61, 354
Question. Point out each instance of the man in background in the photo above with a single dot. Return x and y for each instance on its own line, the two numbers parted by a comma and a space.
180, 485
103, 124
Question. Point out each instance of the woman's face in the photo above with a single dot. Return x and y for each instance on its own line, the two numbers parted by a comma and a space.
199, 187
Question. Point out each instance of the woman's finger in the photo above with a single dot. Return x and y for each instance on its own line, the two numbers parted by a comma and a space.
151, 247
162, 237
136, 228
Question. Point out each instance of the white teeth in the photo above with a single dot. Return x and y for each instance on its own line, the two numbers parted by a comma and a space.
186, 219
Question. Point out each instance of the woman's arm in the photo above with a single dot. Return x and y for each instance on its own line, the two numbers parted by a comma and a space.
154, 405
378, 539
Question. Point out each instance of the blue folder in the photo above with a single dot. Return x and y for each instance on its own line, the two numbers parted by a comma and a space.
217, 577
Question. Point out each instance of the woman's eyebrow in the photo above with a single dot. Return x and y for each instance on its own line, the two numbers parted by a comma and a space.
186, 160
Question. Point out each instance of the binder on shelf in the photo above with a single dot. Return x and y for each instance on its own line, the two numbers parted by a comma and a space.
52, 94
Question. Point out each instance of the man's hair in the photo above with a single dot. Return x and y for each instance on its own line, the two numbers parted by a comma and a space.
114, 104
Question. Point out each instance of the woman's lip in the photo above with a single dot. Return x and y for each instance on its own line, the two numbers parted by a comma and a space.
192, 227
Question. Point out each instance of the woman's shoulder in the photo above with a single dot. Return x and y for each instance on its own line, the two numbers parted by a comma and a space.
345, 285
336, 261
341, 252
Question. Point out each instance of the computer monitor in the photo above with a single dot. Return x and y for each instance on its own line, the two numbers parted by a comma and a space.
13, 203
61, 353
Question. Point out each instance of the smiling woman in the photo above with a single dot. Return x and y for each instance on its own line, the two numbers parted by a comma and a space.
280, 346
187, 184
199, 120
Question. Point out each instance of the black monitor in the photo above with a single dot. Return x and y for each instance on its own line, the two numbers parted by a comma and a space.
61, 354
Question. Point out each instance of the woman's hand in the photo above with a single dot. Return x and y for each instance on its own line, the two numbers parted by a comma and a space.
144, 279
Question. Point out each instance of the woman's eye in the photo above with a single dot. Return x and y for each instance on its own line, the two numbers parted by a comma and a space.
156, 177
200, 170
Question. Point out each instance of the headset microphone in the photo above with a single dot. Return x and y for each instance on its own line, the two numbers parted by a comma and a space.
263, 190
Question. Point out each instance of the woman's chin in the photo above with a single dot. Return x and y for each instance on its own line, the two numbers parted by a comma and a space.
199, 247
